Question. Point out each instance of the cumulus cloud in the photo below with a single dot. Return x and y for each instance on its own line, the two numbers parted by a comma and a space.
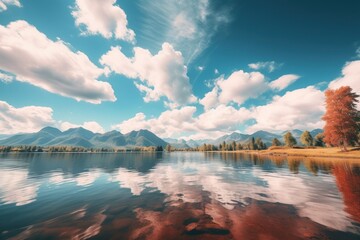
91, 126
102, 17
241, 86
162, 74
350, 77
168, 124
50, 65
283, 82
222, 118
5, 3
210, 99
25, 119
237, 88
177, 122
268, 66
188, 25
298, 109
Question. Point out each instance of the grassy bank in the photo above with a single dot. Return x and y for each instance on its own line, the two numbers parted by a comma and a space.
310, 152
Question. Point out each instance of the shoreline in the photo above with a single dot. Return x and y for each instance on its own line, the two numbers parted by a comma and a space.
333, 153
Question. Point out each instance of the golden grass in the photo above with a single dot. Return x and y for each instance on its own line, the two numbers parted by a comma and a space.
353, 153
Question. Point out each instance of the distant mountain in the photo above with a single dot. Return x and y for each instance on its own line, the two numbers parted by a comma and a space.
144, 138
316, 132
296, 133
237, 137
177, 143
50, 136
81, 137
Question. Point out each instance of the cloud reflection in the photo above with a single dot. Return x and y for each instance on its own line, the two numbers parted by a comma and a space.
317, 199
16, 187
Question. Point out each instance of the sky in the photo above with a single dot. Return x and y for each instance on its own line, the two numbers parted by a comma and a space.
179, 68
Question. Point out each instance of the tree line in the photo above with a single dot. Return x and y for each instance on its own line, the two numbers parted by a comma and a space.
53, 149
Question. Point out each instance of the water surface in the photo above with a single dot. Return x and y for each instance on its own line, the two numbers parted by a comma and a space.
176, 196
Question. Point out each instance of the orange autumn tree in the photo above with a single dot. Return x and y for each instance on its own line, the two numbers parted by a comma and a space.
340, 117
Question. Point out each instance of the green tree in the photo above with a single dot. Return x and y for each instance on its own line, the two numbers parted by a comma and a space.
319, 140
239, 146
289, 140
252, 145
275, 142
259, 144
168, 148
306, 138
233, 145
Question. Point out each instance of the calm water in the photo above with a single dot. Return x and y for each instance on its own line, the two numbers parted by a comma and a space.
176, 196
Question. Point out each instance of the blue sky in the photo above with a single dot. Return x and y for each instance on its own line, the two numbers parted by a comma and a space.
191, 69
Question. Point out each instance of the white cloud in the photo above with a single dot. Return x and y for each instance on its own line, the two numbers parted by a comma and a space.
25, 119
283, 82
222, 118
6, 78
180, 122
163, 74
200, 68
188, 25
269, 66
216, 71
102, 17
168, 124
210, 99
240, 86
350, 77
4, 4
35, 59
91, 126
298, 109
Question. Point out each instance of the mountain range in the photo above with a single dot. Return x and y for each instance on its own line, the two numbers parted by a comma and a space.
50, 136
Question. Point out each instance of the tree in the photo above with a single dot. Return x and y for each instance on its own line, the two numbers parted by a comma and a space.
319, 140
275, 142
260, 144
289, 139
233, 145
252, 145
306, 138
168, 148
239, 146
340, 117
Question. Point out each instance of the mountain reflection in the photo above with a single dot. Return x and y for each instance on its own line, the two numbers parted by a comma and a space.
177, 196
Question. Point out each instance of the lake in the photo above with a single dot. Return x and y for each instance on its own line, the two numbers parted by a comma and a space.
179, 195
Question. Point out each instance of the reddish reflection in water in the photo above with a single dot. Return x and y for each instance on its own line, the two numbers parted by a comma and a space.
184, 196
348, 182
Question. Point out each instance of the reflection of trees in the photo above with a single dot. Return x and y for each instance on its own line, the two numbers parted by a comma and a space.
348, 182
294, 165
311, 166
76, 163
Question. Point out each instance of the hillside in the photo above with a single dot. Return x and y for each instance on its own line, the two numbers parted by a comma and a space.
81, 137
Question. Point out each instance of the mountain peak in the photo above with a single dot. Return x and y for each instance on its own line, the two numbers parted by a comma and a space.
51, 130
